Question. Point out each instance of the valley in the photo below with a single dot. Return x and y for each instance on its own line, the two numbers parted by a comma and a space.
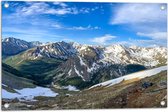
64, 75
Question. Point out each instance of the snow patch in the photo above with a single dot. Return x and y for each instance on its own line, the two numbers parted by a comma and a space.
69, 73
70, 88
7, 40
83, 47
81, 61
78, 73
28, 93
94, 67
4, 85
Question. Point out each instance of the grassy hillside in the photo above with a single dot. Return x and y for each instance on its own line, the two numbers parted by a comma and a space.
12, 70
14, 79
40, 70
33, 67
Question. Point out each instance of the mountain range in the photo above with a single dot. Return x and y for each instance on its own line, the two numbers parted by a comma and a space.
60, 63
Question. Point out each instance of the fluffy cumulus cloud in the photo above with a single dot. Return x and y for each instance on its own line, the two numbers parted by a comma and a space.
146, 20
103, 39
139, 14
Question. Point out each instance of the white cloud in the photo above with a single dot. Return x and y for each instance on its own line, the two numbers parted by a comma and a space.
139, 13
57, 26
34, 8
154, 35
60, 4
89, 27
85, 10
137, 41
96, 27
61, 11
147, 20
88, 10
78, 28
147, 43
44, 8
103, 39
142, 42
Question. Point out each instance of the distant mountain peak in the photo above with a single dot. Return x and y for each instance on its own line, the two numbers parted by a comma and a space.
12, 46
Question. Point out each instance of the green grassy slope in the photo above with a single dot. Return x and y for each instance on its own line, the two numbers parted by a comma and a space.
39, 70
14, 79
34, 67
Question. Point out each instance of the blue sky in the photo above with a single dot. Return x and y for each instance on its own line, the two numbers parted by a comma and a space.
86, 23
